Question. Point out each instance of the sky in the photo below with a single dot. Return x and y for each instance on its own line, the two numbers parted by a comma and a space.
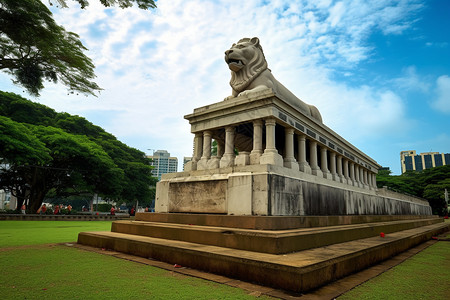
378, 71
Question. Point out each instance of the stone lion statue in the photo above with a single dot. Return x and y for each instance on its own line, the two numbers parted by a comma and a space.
249, 73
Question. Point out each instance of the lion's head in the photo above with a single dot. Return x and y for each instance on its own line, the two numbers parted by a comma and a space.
246, 61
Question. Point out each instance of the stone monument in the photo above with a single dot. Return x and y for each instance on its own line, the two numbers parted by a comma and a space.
275, 156
284, 201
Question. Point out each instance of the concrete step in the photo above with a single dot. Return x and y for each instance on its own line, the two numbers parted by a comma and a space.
270, 222
266, 241
298, 271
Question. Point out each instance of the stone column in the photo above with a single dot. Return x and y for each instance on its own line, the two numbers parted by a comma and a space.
228, 157
346, 172
289, 160
202, 164
271, 156
352, 180
369, 179
257, 151
214, 161
361, 176
198, 145
366, 181
374, 181
324, 161
334, 175
313, 159
220, 148
357, 179
303, 164
340, 174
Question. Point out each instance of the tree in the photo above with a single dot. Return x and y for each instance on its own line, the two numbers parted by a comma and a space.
62, 155
19, 147
429, 184
72, 161
143, 4
33, 48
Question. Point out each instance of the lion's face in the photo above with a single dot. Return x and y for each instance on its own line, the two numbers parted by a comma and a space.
246, 61
239, 55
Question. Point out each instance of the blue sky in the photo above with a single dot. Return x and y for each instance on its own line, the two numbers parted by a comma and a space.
379, 70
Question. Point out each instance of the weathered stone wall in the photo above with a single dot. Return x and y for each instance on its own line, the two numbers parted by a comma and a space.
274, 191
385, 192
290, 197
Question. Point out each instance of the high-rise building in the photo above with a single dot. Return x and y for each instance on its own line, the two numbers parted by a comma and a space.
411, 161
163, 163
186, 159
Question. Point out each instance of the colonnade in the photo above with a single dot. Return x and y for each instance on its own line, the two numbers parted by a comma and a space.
308, 155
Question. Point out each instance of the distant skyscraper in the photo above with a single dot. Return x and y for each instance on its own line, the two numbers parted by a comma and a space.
163, 163
411, 161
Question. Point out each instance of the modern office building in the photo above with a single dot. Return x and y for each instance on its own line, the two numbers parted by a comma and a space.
163, 163
411, 161
186, 159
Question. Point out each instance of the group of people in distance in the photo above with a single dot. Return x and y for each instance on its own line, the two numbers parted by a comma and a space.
43, 209
58, 208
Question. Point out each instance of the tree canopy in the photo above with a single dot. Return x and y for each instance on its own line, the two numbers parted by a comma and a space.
429, 184
34, 48
143, 4
44, 152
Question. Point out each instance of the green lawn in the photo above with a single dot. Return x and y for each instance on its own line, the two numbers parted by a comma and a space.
17, 233
34, 267
423, 276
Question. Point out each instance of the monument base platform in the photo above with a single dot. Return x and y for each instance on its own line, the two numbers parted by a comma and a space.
269, 190
319, 250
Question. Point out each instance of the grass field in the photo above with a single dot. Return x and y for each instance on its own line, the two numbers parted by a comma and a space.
33, 266
423, 276
33, 269
17, 233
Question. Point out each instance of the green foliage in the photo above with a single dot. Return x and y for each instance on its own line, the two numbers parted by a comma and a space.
103, 207
33, 48
429, 184
59, 155
143, 4
19, 145
383, 172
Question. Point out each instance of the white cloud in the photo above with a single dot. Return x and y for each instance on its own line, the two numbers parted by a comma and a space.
158, 65
412, 81
442, 102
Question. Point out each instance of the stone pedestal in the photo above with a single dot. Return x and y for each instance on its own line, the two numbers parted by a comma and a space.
272, 190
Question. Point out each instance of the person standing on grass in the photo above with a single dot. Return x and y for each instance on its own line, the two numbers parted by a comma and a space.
23, 208
113, 210
69, 209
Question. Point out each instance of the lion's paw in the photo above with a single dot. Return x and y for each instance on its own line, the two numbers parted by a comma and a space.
229, 97
245, 93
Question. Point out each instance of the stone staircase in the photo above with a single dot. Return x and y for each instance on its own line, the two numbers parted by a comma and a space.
290, 253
